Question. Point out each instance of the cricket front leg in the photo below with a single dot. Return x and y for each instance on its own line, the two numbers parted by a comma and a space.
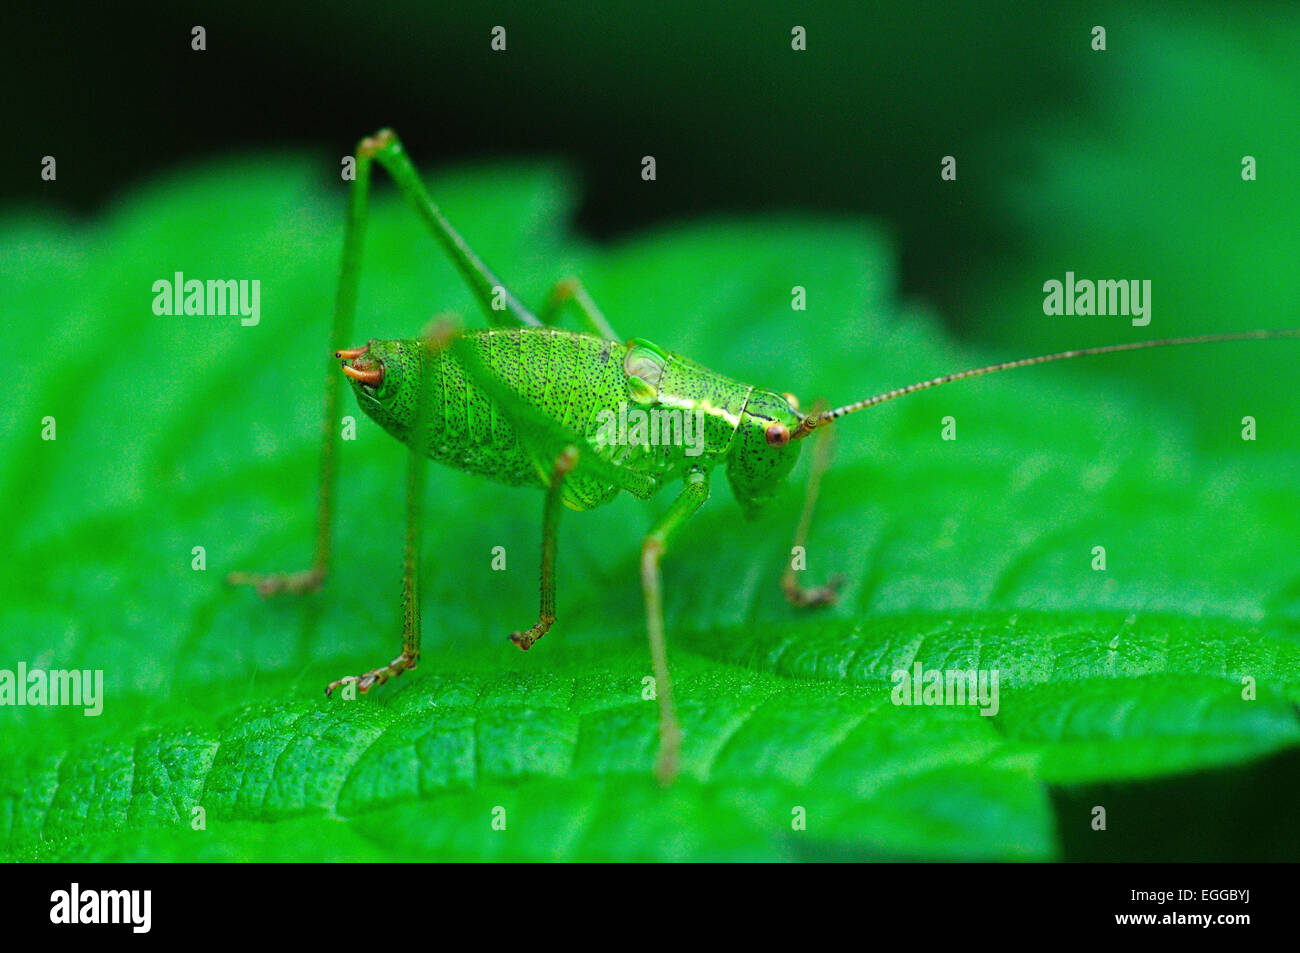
564, 464
687, 503
796, 593
410, 653
439, 335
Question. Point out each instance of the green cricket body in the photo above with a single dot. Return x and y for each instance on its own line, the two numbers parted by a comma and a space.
590, 388
581, 415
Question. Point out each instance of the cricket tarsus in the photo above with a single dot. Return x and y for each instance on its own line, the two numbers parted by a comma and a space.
269, 584
811, 597
403, 663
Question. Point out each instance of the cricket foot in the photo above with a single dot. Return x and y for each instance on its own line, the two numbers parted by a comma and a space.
270, 583
525, 640
811, 596
376, 676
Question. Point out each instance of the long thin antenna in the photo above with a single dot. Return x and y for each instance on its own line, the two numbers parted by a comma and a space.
813, 421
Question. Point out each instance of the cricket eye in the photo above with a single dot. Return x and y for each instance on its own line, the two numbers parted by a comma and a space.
777, 434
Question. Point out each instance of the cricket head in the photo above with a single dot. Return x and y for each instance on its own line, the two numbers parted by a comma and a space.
384, 375
762, 453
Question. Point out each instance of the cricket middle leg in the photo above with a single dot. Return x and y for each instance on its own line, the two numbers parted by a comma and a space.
564, 464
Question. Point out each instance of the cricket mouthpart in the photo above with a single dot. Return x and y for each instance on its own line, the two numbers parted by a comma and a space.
370, 375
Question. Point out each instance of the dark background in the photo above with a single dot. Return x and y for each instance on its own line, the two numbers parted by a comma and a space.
737, 121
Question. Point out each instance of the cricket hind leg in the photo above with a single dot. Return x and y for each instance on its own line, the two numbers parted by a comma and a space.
796, 593
570, 291
692, 497
385, 148
564, 464
490, 291
345, 306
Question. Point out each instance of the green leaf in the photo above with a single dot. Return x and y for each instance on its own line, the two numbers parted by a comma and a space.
176, 432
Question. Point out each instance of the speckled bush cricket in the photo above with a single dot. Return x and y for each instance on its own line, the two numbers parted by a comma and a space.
520, 403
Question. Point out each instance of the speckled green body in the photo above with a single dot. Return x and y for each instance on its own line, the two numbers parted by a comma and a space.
578, 384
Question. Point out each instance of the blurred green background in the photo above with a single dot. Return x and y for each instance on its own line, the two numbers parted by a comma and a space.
775, 168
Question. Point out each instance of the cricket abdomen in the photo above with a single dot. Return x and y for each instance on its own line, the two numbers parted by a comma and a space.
564, 378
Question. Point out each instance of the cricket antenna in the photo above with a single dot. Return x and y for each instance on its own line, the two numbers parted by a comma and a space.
813, 421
